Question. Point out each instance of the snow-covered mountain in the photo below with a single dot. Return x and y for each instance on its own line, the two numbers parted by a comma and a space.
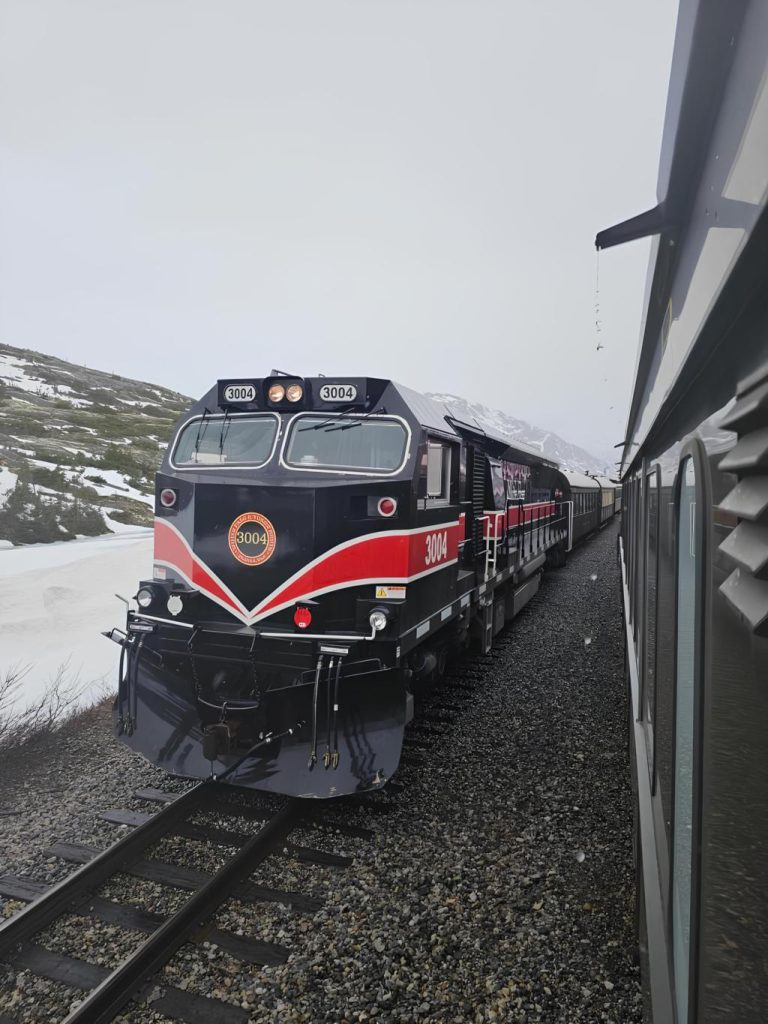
78, 448
570, 456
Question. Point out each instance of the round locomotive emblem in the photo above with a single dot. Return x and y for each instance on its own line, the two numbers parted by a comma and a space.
252, 538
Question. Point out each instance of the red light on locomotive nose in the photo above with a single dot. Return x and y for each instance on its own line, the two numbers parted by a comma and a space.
302, 617
168, 497
387, 507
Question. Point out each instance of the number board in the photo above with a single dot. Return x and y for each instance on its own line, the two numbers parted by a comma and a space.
340, 392
238, 392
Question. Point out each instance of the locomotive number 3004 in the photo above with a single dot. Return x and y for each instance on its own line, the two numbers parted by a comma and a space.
239, 393
437, 547
252, 537
338, 393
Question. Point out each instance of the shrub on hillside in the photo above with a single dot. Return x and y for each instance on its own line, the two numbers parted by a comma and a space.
32, 518
120, 458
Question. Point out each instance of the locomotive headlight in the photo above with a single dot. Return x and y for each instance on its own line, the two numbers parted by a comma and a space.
144, 598
378, 619
276, 393
295, 393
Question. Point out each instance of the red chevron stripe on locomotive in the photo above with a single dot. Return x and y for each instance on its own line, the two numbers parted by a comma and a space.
173, 552
389, 556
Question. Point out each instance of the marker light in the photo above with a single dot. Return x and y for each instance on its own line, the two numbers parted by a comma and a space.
276, 393
387, 507
168, 497
378, 620
302, 617
295, 393
144, 598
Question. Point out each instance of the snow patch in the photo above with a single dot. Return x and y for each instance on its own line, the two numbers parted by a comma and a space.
7, 484
12, 372
57, 598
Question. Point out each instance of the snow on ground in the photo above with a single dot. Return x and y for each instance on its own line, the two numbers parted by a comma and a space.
116, 483
7, 483
12, 371
116, 526
55, 599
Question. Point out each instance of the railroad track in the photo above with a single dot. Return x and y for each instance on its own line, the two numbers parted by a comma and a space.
134, 980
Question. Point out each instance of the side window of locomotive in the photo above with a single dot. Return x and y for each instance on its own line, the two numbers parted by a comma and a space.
687, 639
346, 442
497, 485
225, 440
438, 473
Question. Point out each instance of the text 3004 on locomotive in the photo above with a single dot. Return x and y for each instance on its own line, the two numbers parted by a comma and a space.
320, 547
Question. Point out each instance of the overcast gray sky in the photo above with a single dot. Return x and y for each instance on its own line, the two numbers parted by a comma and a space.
193, 189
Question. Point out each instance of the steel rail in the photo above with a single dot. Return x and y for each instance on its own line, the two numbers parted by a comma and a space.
138, 969
67, 894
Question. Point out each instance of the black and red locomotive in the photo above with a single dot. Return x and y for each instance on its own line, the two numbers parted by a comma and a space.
321, 547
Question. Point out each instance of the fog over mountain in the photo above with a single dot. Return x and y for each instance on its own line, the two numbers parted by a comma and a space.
570, 456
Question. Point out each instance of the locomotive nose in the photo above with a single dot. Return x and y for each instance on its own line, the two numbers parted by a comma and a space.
253, 538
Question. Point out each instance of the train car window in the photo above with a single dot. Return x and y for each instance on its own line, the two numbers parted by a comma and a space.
627, 527
346, 442
682, 832
637, 570
651, 562
632, 542
225, 440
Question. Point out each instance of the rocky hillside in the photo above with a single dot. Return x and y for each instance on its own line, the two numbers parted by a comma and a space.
78, 447
570, 456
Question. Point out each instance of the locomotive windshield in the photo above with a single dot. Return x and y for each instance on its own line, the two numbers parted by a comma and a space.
235, 440
346, 442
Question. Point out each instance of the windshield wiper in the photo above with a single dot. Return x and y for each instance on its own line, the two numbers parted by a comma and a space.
201, 430
359, 420
224, 431
330, 422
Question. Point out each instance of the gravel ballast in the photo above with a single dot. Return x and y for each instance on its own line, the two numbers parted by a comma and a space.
498, 885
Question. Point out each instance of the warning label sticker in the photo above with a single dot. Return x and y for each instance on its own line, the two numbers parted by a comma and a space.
383, 591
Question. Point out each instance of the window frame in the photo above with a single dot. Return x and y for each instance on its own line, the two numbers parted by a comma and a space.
290, 426
695, 451
443, 499
653, 473
226, 466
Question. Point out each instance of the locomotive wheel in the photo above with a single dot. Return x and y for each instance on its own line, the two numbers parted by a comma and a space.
557, 556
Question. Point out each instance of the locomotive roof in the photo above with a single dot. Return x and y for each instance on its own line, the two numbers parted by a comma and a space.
439, 416
605, 482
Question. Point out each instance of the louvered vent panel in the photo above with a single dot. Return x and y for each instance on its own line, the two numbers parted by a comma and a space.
746, 589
